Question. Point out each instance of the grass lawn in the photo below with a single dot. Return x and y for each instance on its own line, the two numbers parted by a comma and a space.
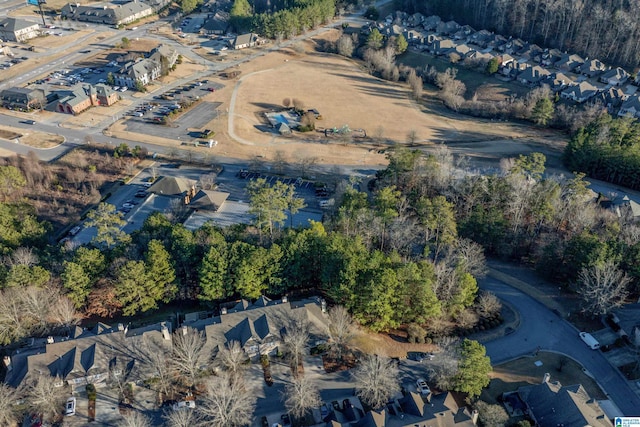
520, 372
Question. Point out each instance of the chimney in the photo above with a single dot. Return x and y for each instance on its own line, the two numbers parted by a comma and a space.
126, 329
7, 362
184, 330
546, 378
285, 299
223, 310
120, 327
323, 304
50, 339
474, 416
165, 331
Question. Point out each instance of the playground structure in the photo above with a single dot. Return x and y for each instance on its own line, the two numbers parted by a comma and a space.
345, 130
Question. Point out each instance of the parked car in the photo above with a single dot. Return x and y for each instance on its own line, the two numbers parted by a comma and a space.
75, 230
70, 406
286, 420
127, 206
185, 404
422, 386
264, 422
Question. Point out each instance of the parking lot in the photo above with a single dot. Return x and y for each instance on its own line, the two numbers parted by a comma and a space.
195, 118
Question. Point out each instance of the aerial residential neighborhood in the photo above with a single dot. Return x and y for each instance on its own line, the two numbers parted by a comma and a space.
319, 213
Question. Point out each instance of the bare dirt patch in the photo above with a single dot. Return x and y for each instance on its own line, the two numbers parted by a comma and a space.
7, 134
520, 372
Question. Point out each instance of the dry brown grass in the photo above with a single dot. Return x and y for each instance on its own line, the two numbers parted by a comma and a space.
31, 138
520, 372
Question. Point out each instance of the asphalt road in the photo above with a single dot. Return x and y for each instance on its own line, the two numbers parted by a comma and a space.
539, 326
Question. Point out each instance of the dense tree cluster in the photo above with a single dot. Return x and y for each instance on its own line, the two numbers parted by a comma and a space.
303, 15
602, 29
607, 149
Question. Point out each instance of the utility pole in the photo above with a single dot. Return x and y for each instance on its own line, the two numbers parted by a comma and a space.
39, 3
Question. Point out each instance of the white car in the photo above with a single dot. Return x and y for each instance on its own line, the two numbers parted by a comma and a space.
422, 386
185, 404
75, 230
70, 406
124, 89
116, 88
127, 206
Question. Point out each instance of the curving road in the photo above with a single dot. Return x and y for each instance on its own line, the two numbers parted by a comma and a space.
539, 326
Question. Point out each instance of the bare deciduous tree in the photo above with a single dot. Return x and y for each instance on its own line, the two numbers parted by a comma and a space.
340, 330
296, 338
232, 357
8, 416
64, 313
301, 395
443, 372
603, 287
471, 256
134, 419
467, 319
344, 46
190, 355
43, 395
182, 418
228, 402
376, 380
488, 304
22, 256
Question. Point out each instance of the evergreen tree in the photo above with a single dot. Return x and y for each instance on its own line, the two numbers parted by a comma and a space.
77, 282
401, 44
375, 39
474, 368
160, 272
214, 284
543, 111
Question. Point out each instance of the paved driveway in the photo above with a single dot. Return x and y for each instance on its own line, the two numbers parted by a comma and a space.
541, 327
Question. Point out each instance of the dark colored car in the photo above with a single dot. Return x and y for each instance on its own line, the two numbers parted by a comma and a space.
264, 422
286, 420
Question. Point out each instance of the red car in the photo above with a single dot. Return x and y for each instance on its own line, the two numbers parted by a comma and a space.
211, 89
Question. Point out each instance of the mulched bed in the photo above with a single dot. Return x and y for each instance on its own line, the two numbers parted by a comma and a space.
331, 364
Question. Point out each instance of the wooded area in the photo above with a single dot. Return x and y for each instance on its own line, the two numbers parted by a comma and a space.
608, 30
607, 149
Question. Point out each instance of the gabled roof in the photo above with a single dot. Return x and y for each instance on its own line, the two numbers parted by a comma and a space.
15, 24
172, 186
208, 200
553, 405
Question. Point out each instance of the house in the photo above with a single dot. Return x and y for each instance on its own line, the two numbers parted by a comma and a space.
614, 77
443, 47
89, 356
208, 200
415, 20
558, 81
612, 98
164, 55
76, 101
579, 92
18, 30
448, 28
173, 186
431, 23
217, 23
106, 95
23, 98
630, 107
443, 410
243, 41
628, 318
569, 62
550, 404
550, 57
143, 71
259, 326
592, 68
532, 76
107, 13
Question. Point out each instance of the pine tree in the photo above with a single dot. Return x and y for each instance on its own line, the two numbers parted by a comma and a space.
160, 272
213, 275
